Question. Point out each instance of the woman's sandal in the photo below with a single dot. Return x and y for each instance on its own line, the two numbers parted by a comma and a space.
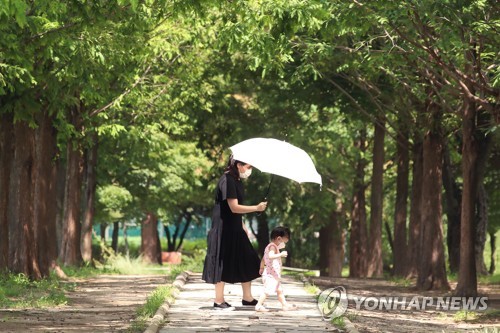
288, 307
261, 308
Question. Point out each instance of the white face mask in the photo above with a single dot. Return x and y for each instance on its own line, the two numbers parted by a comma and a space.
281, 245
246, 174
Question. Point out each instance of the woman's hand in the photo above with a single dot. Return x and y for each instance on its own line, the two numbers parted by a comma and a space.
261, 206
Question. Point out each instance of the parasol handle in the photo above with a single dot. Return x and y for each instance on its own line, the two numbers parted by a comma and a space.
267, 193
269, 188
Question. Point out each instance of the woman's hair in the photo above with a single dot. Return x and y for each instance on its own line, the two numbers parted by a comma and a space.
280, 232
232, 167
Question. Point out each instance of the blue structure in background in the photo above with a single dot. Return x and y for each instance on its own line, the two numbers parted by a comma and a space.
195, 231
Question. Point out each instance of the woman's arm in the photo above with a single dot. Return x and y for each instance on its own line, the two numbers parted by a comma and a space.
242, 209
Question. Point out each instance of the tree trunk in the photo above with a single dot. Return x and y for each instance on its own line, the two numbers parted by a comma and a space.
484, 143
159, 258
125, 240
149, 239
474, 156
6, 158
358, 236
172, 239
170, 245
45, 208
189, 218
70, 254
331, 247
60, 188
414, 238
389, 237
88, 215
481, 227
22, 247
114, 237
102, 228
452, 199
493, 239
375, 264
432, 269
400, 239
467, 279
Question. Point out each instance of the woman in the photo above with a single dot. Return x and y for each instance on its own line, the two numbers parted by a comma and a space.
230, 255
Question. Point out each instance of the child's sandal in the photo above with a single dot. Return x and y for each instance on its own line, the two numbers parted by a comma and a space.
261, 308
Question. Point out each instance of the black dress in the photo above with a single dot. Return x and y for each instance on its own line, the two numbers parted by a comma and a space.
230, 255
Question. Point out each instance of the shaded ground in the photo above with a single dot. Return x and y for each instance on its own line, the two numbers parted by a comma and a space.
192, 311
106, 303
415, 321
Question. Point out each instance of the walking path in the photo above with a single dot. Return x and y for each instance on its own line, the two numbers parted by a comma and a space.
193, 312
105, 303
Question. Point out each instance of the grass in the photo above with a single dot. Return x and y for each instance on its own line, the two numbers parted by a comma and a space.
133, 266
17, 291
154, 301
312, 289
193, 263
400, 281
464, 315
352, 316
297, 274
338, 322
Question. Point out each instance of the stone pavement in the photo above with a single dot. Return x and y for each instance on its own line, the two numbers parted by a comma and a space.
193, 312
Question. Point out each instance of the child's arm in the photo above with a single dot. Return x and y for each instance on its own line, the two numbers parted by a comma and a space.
262, 265
273, 255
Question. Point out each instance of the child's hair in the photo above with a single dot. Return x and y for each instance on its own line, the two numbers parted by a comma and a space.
280, 232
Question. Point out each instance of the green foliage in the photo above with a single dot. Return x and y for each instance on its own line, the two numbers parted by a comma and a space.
153, 302
464, 315
17, 291
168, 86
113, 201
339, 322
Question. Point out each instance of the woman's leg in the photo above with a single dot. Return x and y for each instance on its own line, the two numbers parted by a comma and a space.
247, 291
219, 292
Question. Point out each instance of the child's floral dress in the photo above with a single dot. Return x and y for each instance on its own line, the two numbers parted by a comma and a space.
271, 276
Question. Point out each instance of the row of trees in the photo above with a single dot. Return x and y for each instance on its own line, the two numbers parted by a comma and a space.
425, 73
128, 107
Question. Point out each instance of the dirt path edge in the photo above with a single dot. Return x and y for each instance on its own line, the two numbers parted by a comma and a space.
159, 317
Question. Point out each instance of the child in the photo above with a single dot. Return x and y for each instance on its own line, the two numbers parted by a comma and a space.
271, 269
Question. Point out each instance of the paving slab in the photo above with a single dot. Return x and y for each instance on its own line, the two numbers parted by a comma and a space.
193, 311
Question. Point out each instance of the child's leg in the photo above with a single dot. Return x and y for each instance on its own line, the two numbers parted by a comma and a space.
281, 298
259, 306
284, 305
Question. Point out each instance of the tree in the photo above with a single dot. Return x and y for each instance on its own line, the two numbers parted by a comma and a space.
401, 252
431, 268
